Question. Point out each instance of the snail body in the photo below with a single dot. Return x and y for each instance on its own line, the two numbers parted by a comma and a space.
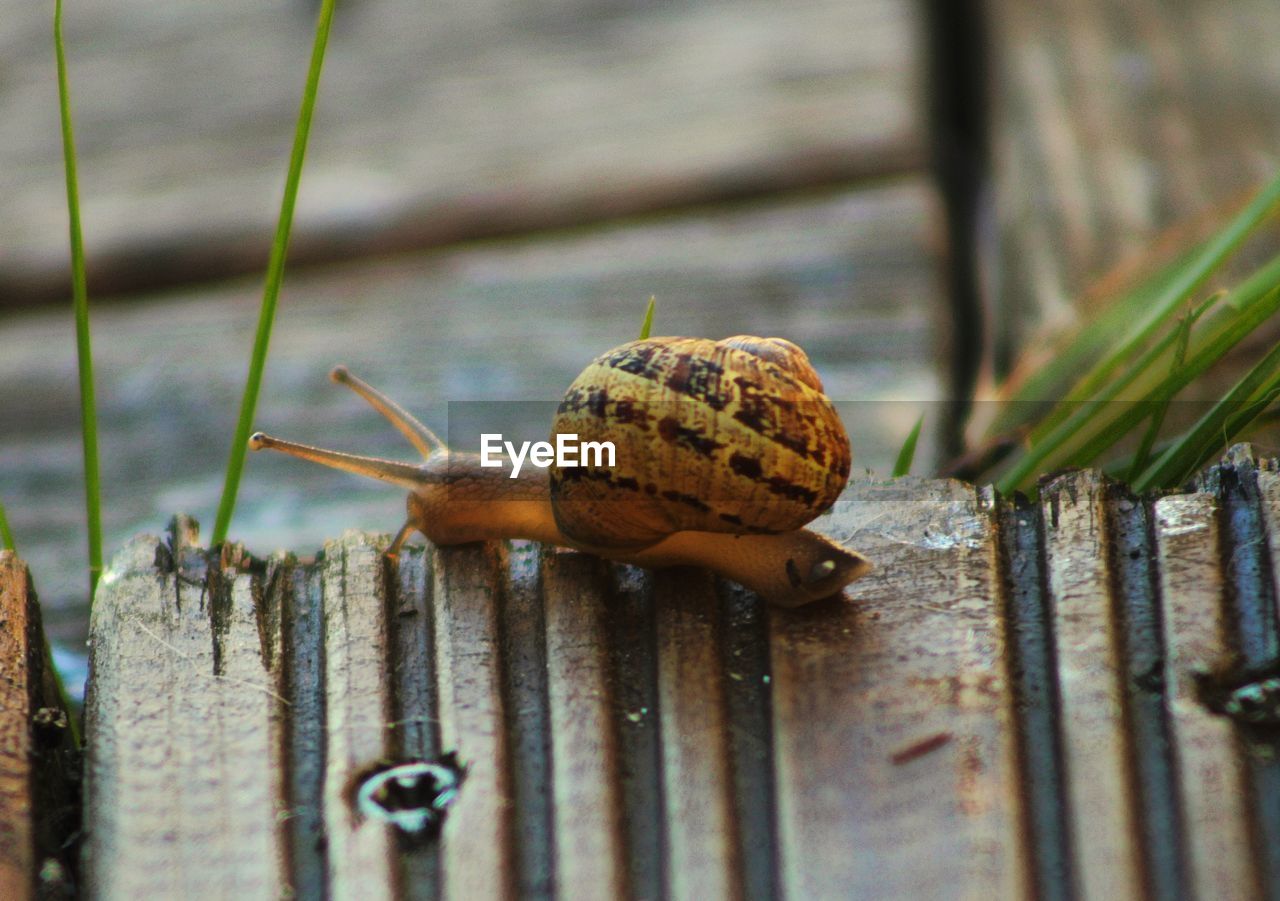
724, 451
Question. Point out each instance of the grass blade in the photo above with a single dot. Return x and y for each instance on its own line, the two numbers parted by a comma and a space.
6, 536
1223, 421
647, 325
907, 455
1153, 302
80, 300
275, 275
1143, 456
1098, 424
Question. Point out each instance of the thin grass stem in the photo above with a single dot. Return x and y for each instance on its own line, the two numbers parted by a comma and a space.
80, 301
6, 536
1143, 456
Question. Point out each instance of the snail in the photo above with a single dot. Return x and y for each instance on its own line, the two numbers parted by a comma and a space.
723, 452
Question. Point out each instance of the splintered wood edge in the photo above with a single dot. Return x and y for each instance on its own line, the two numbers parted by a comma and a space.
184, 713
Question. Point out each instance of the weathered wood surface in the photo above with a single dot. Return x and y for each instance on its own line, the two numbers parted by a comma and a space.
434, 124
1111, 122
1019, 701
37, 778
850, 276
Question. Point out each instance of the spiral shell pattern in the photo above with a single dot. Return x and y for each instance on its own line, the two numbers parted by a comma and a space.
720, 436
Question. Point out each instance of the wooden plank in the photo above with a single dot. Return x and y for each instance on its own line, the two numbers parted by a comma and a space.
893, 754
181, 784
19, 699
512, 118
1212, 782
894, 718
477, 845
358, 711
1108, 119
703, 845
1099, 791
590, 845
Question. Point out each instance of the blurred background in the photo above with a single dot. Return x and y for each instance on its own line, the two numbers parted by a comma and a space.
494, 189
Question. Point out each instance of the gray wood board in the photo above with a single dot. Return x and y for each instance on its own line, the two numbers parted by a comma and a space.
850, 276
434, 123
979, 717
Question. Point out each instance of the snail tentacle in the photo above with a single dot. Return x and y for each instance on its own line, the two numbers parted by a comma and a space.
426, 441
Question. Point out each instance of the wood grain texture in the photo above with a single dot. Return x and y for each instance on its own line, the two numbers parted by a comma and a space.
881, 745
183, 772
358, 714
858, 686
590, 845
477, 846
1197, 638
433, 125
703, 851
1099, 788
19, 698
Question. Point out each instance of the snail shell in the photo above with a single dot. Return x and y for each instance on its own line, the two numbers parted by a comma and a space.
718, 436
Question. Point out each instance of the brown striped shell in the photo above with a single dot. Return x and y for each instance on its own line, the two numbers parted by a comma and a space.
719, 436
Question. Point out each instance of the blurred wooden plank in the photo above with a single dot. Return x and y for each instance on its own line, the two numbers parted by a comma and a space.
1099, 791
894, 756
434, 124
590, 845
1113, 121
1213, 783
849, 276
184, 769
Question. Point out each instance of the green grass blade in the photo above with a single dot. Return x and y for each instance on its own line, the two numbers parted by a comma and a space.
1097, 425
80, 300
1143, 455
275, 275
907, 455
1054, 450
6, 536
1215, 429
1154, 302
647, 325
1060, 376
